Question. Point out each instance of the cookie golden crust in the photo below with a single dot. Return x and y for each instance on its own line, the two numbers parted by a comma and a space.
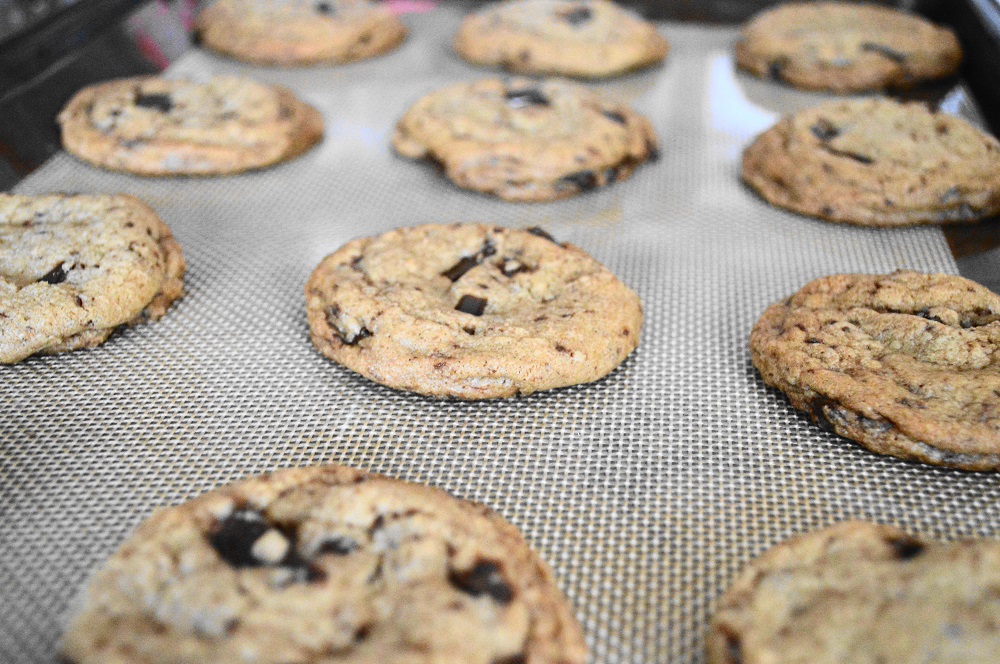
297, 33
846, 47
471, 311
581, 38
862, 593
877, 162
906, 364
75, 268
525, 140
324, 565
153, 126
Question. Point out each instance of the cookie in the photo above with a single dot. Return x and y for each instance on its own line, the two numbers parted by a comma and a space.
154, 126
526, 140
906, 364
75, 268
299, 33
846, 47
862, 593
877, 162
581, 38
324, 564
471, 311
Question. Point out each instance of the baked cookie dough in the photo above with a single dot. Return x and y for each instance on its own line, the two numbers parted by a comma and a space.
75, 268
471, 311
906, 364
846, 47
581, 38
526, 140
155, 126
299, 33
865, 594
324, 564
877, 162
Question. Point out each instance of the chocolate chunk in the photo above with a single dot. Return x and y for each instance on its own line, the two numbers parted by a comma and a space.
510, 267
235, 535
884, 51
525, 98
535, 230
860, 158
820, 410
325, 8
776, 70
56, 275
906, 548
158, 102
483, 579
576, 16
825, 130
470, 304
614, 116
926, 314
582, 180
455, 272
337, 545
611, 176
734, 649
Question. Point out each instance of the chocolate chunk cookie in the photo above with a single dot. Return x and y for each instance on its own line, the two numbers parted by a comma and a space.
154, 126
846, 47
526, 140
299, 33
865, 594
471, 311
325, 564
877, 162
906, 364
582, 38
75, 268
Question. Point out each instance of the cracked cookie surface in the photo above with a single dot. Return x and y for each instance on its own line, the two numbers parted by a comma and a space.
471, 311
907, 364
581, 38
862, 593
526, 140
845, 47
75, 268
877, 162
154, 126
299, 33
325, 564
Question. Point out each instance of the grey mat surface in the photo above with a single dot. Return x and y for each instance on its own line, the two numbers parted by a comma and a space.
646, 491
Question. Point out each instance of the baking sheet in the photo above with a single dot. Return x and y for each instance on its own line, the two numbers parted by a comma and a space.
646, 491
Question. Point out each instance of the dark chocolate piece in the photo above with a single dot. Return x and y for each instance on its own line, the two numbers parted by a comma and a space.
582, 180
470, 304
884, 51
338, 545
158, 102
615, 116
483, 579
576, 16
525, 98
540, 232
906, 548
825, 130
56, 275
235, 535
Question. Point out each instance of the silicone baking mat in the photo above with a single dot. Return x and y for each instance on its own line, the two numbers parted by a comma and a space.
646, 491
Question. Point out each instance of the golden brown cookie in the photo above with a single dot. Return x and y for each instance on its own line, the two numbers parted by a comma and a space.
279, 32
526, 140
877, 162
846, 47
865, 594
906, 364
155, 126
582, 38
75, 268
324, 565
471, 311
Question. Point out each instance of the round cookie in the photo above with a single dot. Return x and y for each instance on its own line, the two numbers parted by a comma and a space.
846, 47
582, 38
862, 593
299, 33
906, 364
526, 140
877, 162
324, 564
75, 268
155, 126
471, 311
